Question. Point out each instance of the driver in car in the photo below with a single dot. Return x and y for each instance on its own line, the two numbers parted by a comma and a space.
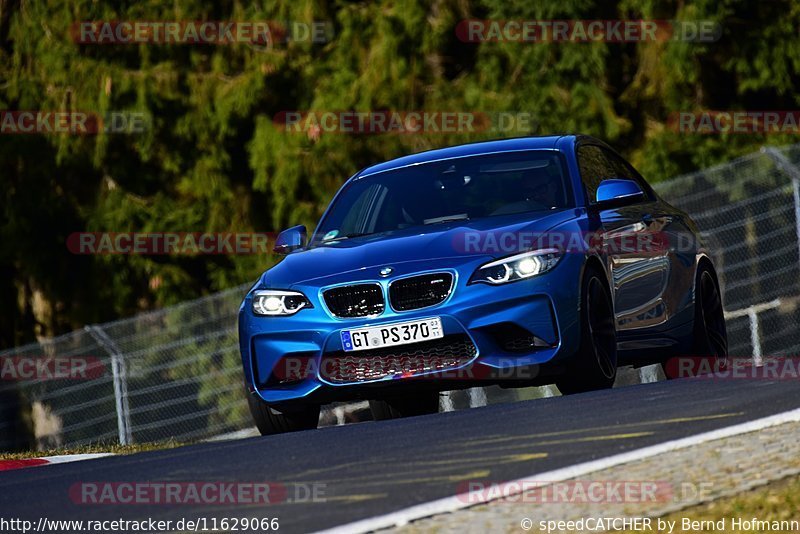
539, 191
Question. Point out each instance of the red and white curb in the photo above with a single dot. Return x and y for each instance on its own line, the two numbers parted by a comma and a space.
8, 465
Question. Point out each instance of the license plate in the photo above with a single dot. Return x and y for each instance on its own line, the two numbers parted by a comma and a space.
389, 335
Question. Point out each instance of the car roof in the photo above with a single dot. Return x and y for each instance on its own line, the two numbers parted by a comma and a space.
471, 149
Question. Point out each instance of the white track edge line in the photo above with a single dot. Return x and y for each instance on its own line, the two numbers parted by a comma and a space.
64, 458
461, 501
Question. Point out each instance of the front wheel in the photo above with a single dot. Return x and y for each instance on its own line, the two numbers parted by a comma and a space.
595, 365
709, 335
272, 421
398, 407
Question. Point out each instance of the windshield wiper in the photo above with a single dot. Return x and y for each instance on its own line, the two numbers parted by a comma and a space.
349, 236
447, 219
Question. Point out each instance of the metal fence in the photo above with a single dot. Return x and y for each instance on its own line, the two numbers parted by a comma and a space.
749, 212
175, 373
172, 373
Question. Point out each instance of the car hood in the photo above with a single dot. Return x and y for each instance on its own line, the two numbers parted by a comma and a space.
410, 250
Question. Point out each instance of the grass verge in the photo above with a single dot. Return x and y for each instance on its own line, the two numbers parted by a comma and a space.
90, 449
777, 501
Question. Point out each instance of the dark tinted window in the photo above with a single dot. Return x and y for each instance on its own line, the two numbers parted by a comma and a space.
594, 167
451, 190
623, 170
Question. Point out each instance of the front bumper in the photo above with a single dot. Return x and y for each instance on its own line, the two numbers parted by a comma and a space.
287, 359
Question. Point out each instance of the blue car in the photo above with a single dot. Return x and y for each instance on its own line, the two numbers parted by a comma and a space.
516, 262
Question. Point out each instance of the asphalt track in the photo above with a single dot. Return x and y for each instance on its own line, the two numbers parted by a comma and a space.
375, 468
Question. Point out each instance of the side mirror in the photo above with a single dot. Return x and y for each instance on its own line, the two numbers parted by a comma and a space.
290, 239
618, 192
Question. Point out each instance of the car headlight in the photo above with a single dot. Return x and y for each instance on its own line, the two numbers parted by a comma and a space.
517, 267
275, 302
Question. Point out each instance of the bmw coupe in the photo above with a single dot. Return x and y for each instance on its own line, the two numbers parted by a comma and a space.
516, 262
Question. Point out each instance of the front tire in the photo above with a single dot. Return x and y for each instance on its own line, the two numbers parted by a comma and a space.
399, 407
595, 365
272, 421
709, 334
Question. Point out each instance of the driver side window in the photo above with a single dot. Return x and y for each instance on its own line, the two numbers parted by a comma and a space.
623, 169
595, 168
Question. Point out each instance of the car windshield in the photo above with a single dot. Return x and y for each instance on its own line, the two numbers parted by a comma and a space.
446, 191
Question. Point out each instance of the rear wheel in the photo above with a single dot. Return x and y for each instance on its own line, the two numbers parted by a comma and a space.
272, 421
709, 335
397, 407
595, 365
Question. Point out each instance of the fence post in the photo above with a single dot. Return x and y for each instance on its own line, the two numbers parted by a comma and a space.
755, 338
120, 382
751, 312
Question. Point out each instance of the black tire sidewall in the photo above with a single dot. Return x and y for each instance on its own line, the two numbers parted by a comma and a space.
399, 407
270, 421
584, 372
